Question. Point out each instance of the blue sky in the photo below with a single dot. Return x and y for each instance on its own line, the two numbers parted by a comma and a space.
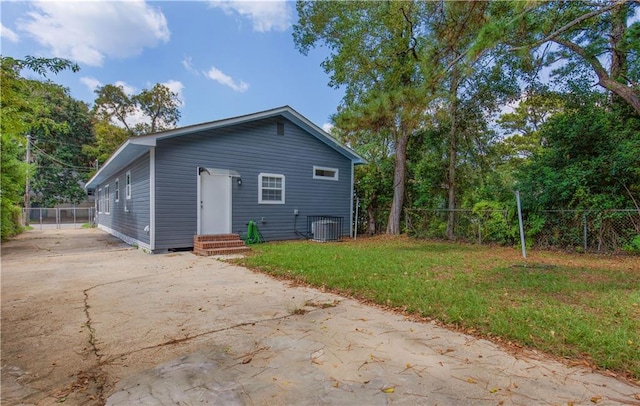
223, 58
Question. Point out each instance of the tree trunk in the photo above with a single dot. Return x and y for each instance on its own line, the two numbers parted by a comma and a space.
453, 150
371, 220
618, 28
399, 175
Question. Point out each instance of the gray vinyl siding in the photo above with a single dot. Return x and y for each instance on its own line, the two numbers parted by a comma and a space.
250, 149
129, 216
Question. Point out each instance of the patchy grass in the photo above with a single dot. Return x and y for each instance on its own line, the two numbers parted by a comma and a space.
582, 307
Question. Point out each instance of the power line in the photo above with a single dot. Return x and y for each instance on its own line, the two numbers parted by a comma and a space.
56, 160
57, 167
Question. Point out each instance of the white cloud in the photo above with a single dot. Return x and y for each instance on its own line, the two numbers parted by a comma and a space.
217, 75
187, 62
137, 117
177, 87
89, 31
8, 34
266, 16
327, 127
126, 88
91, 83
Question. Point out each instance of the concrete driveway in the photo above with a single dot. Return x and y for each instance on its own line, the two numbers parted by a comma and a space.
89, 320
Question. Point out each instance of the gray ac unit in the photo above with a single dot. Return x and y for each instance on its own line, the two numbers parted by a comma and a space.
324, 230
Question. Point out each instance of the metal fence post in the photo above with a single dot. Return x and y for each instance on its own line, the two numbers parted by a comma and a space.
524, 249
355, 226
584, 231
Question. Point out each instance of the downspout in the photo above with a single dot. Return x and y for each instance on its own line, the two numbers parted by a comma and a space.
152, 198
352, 226
199, 170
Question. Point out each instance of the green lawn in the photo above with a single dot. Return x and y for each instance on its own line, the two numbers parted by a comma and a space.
582, 307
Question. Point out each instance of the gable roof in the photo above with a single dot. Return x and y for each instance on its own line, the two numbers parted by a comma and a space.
135, 147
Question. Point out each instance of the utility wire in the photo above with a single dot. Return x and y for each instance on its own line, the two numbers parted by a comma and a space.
57, 167
56, 160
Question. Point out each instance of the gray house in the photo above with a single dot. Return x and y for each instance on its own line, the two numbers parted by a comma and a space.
274, 167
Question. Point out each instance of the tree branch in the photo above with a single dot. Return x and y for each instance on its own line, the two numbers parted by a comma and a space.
604, 79
570, 25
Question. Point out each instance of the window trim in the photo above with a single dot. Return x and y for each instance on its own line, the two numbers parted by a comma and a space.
107, 200
99, 201
325, 168
260, 188
116, 191
127, 185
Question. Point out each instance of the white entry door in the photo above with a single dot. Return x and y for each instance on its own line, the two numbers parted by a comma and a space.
215, 203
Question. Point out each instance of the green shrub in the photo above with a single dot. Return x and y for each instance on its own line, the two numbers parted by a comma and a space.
633, 245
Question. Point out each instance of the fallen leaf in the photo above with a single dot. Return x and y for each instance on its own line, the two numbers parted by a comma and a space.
494, 390
408, 365
335, 385
596, 399
553, 333
471, 380
247, 360
389, 389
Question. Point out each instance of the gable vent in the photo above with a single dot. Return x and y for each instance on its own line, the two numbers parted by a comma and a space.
280, 128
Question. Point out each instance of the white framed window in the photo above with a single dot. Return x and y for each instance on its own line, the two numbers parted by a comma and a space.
127, 186
321, 172
270, 188
116, 191
107, 199
99, 201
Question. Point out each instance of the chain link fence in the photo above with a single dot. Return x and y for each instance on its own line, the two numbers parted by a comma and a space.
484, 226
58, 217
599, 231
603, 231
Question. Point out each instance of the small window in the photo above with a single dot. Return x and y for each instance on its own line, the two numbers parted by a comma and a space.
320, 172
127, 186
99, 200
270, 188
107, 199
116, 192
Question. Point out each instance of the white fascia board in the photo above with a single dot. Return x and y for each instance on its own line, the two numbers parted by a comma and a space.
111, 158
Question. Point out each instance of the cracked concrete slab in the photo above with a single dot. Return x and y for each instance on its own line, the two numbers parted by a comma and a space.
88, 320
